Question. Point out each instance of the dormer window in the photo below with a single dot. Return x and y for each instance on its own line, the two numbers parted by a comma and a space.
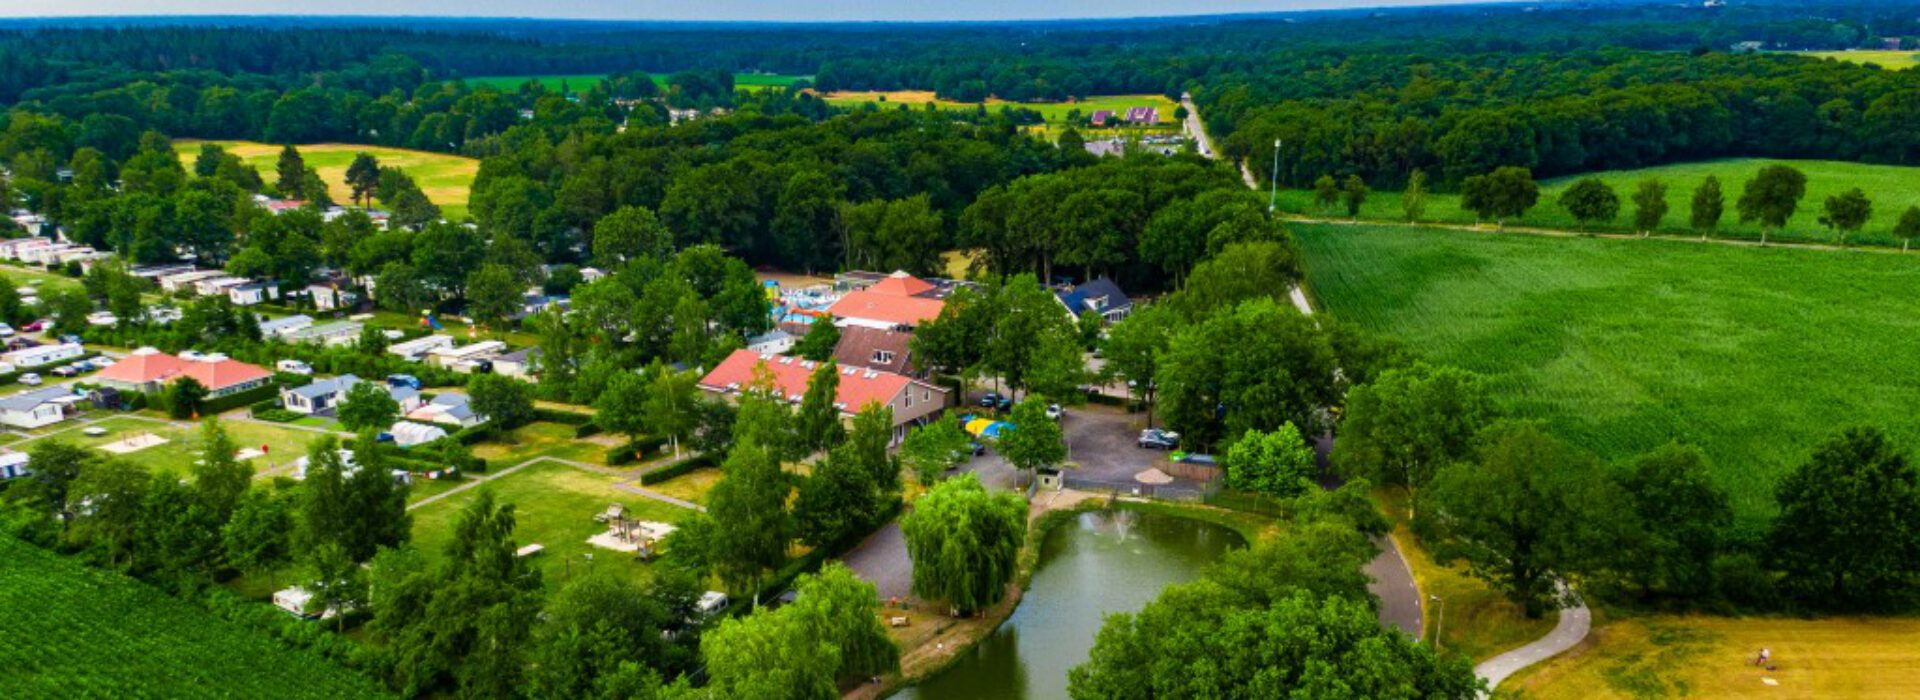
883, 357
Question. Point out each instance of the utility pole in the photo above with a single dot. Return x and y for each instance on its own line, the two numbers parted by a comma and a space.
1442, 604
1273, 193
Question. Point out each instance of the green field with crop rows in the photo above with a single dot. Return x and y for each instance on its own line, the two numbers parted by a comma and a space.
1892, 189
581, 82
72, 631
1754, 354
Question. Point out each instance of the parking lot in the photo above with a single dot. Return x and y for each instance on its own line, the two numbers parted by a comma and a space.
1101, 440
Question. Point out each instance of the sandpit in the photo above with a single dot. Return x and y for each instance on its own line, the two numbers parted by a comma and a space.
134, 443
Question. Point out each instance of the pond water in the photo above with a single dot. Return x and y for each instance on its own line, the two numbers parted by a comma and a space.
1102, 562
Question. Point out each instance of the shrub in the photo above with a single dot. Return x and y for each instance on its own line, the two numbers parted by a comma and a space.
676, 469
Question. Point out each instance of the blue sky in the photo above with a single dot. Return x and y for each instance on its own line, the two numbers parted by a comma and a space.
764, 10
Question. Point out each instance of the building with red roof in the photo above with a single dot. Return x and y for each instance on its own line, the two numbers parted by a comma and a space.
147, 370
913, 401
899, 300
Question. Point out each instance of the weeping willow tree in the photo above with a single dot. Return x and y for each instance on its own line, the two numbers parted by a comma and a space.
965, 543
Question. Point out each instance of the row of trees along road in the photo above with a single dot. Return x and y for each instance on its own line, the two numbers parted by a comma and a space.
1522, 508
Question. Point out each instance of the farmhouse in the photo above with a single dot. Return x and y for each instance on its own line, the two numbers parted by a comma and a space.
913, 401
899, 300
37, 408
1101, 117
43, 354
1100, 296
416, 350
146, 370
873, 348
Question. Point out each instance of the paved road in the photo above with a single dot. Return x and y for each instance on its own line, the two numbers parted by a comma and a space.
1572, 627
882, 560
1196, 129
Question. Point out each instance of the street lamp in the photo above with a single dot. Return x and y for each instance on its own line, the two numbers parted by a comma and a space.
1273, 193
1439, 623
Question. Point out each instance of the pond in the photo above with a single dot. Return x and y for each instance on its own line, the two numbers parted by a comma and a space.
1100, 563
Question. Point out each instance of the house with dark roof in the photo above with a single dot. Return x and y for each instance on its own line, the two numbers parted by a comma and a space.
874, 348
1098, 296
1101, 117
1143, 115
913, 401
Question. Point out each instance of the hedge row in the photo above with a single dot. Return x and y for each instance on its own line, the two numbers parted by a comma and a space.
680, 468
244, 398
630, 452
583, 425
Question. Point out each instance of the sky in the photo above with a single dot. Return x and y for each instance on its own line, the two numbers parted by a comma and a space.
735, 10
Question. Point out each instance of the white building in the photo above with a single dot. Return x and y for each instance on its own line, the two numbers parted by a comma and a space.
417, 349
333, 334
35, 409
285, 325
252, 293
185, 280
43, 354
466, 356
13, 464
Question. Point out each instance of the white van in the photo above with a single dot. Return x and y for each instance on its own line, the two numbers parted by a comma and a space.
293, 367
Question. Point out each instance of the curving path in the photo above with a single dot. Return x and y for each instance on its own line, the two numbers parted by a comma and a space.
1572, 628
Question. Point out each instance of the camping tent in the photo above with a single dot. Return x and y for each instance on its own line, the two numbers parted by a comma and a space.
409, 433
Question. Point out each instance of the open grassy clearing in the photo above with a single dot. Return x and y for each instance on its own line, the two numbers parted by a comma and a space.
1754, 354
691, 486
446, 179
182, 449
554, 506
77, 631
539, 439
1053, 112
1697, 656
1891, 188
583, 81
1898, 60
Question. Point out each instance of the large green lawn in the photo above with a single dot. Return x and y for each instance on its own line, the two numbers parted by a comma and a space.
446, 179
1754, 354
554, 506
74, 631
1896, 60
1891, 188
282, 444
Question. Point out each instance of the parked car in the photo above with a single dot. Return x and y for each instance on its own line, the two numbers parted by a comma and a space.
712, 602
101, 362
37, 326
293, 367
65, 371
1054, 411
6, 330
1157, 439
406, 380
30, 379
995, 400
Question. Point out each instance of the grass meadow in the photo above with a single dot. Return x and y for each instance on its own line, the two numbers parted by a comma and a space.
1054, 112
446, 179
1621, 345
1897, 60
1664, 656
77, 631
1892, 189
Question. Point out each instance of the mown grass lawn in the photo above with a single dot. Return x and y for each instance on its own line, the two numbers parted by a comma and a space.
1664, 656
1890, 187
554, 505
182, 449
691, 486
1754, 354
446, 179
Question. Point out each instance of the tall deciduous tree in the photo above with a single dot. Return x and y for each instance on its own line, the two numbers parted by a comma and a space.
1413, 200
1708, 205
818, 423
1521, 513
367, 406
505, 402
1680, 520
1649, 205
1848, 534
671, 405
1771, 197
1326, 192
1278, 463
1353, 194
363, 177
1253, 367
750, 527
1035, 440
291, 171
1505, 193
628, 233
1847, 212
256, 537
1908, 227
935, 447
1407, 424
965, 543
837, 502
1590, 200
218, 477
818, 343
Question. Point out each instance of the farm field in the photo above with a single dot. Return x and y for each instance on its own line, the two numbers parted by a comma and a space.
554, 506
1890, 187
1621, 345
446, 179
76, 631
1897, 60
1699, 656
1051, 111
580, 82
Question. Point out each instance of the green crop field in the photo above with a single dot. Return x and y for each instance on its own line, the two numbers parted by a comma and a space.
1897, 60
1890, 187
581, 82
75, 631
446, 179
1754, 354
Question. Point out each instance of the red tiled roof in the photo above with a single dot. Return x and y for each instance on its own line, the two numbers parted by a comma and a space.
892, 300
142, 368
901, 284
861, 387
